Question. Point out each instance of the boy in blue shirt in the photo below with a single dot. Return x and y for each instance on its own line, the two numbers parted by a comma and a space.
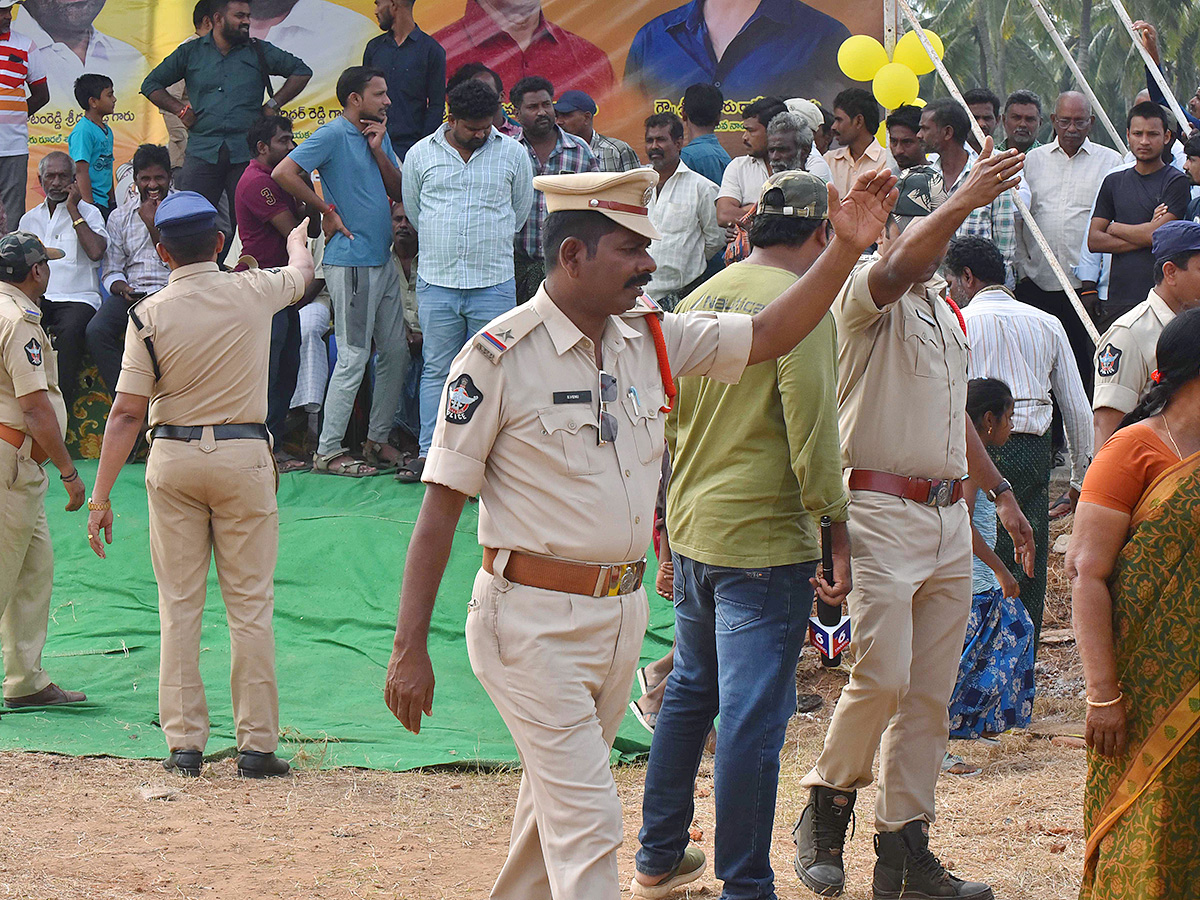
91, 141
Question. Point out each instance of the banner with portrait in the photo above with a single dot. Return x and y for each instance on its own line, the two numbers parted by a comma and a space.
633, 58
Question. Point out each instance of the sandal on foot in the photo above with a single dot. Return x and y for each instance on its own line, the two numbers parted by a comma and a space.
285, 463
350, 468
412, 471
646, 719
688, 870
956, 765
1060, 507
376, 459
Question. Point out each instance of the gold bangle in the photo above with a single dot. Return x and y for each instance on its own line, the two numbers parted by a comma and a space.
77, 222
1101, 704
99, 506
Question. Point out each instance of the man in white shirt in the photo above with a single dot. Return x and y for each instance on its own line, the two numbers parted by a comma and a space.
811, 114
1028, 350
73, 225
683, 209
744, 176
1063, 178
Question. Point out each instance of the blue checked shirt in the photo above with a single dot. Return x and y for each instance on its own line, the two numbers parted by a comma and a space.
570, 156
467, 212
997, 222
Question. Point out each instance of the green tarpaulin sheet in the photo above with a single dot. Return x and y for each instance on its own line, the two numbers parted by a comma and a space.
342, 544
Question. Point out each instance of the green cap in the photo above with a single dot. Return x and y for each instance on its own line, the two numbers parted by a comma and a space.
20, 251
921, 191
794, 193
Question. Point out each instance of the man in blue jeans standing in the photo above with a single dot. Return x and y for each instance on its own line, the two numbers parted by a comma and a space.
756, 464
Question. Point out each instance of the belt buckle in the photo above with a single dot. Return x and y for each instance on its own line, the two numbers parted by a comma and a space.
940, 493
623, 578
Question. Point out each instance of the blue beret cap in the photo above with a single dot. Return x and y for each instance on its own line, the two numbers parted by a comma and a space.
575, 101
1175, 237
183, 213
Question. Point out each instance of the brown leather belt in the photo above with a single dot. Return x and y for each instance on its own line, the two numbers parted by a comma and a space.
17, 439
569, 577
923, 490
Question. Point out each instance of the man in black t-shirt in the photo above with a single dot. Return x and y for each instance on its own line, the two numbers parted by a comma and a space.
1131, 204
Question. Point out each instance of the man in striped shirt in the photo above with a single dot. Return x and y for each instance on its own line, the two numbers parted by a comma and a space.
1027, 349
20, 67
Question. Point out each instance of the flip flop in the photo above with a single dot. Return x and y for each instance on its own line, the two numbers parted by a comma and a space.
956, 765
411, 472
1060, 507
645, 719
287, 464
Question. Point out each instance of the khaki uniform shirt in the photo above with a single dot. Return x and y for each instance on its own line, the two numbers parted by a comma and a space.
902, 381
518, 424
212, 334
27, 361
1128, 354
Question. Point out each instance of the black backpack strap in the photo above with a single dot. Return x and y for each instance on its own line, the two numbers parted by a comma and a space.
137, 323
262, 66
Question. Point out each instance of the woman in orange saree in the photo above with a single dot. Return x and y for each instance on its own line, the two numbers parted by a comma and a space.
1134, 565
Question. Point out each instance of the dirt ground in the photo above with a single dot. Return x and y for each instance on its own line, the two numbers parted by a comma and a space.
94, 829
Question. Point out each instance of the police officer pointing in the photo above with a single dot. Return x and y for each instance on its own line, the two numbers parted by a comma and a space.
196, 358
554, 413
33, 420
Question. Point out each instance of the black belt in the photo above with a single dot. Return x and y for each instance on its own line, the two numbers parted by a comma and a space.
220, 432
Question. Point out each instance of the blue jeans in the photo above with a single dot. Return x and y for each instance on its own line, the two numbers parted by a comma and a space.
738, 635
449, 317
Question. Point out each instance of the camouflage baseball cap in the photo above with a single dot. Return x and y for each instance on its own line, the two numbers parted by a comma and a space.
921, 191
794, 193
20, 251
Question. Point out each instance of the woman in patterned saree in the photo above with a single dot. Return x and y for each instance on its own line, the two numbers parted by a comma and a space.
1134, 566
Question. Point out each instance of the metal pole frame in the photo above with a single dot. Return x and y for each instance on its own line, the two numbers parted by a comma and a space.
891, 26
1155, 71
1097, 107
1026, 215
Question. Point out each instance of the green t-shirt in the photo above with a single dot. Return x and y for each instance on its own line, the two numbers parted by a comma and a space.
756, 464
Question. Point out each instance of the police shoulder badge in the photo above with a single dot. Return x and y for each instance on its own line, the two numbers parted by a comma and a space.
1108, 361
33, 350
462, 399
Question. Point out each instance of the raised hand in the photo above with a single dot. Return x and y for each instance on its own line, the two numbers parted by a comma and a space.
858, 219
992, 175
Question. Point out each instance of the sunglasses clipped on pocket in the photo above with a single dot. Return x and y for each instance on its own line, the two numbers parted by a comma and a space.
607, 422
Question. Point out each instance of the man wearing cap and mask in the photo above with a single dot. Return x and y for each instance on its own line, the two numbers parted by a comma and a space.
554, 414
33, 420
574, 111
1127, 354
901, 347
196, 360
756, 466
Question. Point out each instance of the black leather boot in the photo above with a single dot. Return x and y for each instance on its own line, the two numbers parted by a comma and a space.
820, 836
253, 764
907, 870
185, 762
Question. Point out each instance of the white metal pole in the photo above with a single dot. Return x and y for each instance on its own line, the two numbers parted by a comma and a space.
891, 21
1097, 108
1155, 71
1026, 215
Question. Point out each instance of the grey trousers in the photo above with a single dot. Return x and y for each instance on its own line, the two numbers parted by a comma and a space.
367, 306
14, 172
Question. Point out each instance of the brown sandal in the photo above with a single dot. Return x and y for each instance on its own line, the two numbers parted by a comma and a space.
353, 468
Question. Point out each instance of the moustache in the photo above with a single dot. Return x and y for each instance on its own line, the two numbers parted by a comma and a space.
638, 281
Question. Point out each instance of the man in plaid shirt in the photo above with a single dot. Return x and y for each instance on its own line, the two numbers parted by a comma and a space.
575, 111
551, 152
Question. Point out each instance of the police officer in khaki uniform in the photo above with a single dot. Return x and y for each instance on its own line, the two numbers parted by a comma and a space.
196, 357
33, 420
554, 414
1126, 356
906, 446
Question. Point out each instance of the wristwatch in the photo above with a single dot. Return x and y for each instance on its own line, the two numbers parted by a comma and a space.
272, 103
98, 505
999, 489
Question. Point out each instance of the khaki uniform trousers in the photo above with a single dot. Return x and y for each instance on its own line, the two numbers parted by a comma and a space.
209, 497
908, 608
26, 570
559, 668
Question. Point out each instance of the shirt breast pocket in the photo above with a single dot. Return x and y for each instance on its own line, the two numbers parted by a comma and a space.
649, 427
921, 345
570, 438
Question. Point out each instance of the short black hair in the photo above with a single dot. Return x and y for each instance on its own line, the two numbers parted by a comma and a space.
216, 7
1180, 260
192, 248
354, 80
1192, 147
767, 230
666, 120
473, 101
585, 225
906, 116
1023, 98
264, 129
146, 156
468, 71
530, 84
1148, 109
702, 104
987, 395
826, 119
983, 95
202, 11
949, 113
979, 255
764, 109
856, 102
89, 86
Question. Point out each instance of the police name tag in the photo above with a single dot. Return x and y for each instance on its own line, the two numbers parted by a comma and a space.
572, 397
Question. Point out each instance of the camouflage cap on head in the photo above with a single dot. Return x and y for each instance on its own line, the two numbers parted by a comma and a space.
794, 193
921, 192
20, 251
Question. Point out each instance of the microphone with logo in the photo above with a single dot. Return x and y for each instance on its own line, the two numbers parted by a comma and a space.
828, 630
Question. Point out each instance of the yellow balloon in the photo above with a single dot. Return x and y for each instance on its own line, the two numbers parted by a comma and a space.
918, 103
911, 53
895, 85
861, 56
881, 134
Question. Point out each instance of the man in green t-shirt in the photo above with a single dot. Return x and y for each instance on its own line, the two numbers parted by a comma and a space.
756, 464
